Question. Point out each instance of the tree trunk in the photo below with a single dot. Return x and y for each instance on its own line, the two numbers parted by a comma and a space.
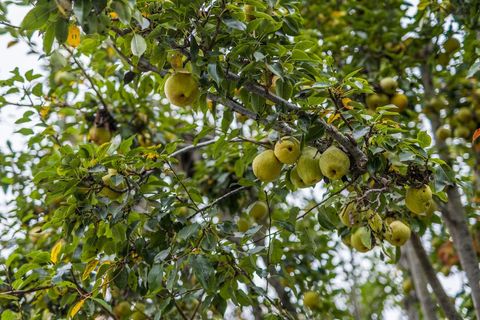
454, 213
420, 284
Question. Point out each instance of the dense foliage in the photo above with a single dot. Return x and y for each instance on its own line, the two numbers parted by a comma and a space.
135, 197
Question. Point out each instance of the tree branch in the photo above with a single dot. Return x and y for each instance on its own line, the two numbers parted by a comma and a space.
419, 283
435, 284
348, 143
26, 291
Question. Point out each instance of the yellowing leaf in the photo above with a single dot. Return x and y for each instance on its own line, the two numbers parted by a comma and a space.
76, 308
333, 117
73, 38
476, 134
345, 102
56, 251
89, 268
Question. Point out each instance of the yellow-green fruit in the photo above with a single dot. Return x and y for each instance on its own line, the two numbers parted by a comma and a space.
464, 114
375, 101
398, 234
311, 300
374, 221
437, 103
334, 163
287, 150
109, 190
266, 166
431, 210
462, 132
258, 210
295, 179
248, 9
407, 285
451, 45
419, 200
400, 100
181, 89
122, 310
99, 135
308, 166
350, 216
388, 85
138, 315
443, 133
347, 240
443, 59
356, 240
243, 225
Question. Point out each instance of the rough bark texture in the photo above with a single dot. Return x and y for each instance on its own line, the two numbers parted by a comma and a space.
420, 284
454, 213
429, 272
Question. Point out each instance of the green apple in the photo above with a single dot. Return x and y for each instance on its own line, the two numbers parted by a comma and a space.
419, 200
349, 215
122, 310
308, 166
287, 150
266, 166
181, 89
258, 210
334, 163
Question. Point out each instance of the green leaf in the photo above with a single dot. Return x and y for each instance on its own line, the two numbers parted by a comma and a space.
37, 17
202, 269
188, 231
48, 38
473, 69
155, 277
138, 45
424, 139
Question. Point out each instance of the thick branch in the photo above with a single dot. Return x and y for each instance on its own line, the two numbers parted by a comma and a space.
420, 285
349, 144
435, 284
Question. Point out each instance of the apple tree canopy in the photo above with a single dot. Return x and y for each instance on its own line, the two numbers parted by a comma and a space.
276, 159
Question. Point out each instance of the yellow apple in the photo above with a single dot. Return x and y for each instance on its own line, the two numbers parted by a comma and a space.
181, 89
266, 166
258, 210
110, 190
356, 239
334, 163
243, 225
451, 45
443, 133
311, 300
388, 85
462, 132
349, 215
99, 135
308, 166
375, 101
287, 150
295, 179
419, 200
464, 114
400, 100
122, 310
398, 234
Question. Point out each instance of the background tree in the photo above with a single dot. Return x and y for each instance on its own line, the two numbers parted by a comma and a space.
196, 159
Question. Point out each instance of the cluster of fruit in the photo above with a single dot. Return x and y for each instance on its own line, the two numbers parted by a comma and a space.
464, 121
389, 95
310, 168
450, 46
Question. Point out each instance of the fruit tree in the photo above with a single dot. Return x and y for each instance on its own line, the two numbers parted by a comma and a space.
228, 159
